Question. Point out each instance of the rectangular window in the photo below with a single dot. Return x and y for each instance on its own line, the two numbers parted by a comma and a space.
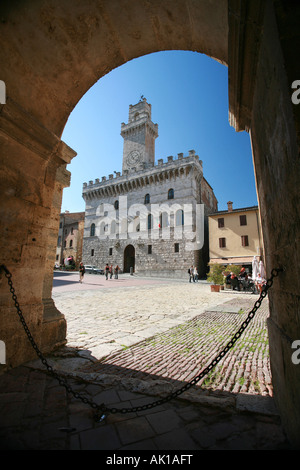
149, 249
221, 222
71, 243
245, 241
243, 220
92, 252
222, 242
110, 251
176, 247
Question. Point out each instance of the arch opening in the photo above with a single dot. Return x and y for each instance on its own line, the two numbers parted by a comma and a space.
129, 259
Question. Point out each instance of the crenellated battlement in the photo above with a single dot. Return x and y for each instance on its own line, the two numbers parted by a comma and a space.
170, 163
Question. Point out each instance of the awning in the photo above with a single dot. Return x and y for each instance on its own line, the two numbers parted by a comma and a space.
234, 260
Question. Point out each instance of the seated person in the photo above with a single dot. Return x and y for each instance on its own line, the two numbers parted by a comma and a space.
259, 283
234, 282
243, 273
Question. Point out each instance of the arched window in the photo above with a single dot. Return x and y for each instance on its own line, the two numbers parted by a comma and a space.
150, 221
102, 228
179, 217
113, 227
92, 232
136, 224
147, 199
116, 205
164, 220
171, 193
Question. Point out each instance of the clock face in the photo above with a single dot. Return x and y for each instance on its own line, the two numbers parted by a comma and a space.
133, 158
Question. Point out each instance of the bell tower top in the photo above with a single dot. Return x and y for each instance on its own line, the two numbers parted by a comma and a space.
141, 110
139, 136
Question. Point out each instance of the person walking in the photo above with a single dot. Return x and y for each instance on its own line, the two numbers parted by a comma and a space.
111, 270
191, 274
106, 271
195, 274
117, 272
81, 272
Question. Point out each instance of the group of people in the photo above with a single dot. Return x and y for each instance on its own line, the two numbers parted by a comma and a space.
230, 278
244, 279
193, 274
109, 271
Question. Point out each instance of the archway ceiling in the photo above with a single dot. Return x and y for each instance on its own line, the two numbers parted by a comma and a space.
52, 52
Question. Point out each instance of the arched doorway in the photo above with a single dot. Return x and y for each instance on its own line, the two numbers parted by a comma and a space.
129, 259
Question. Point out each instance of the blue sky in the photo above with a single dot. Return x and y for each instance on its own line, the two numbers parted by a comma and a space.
188, 92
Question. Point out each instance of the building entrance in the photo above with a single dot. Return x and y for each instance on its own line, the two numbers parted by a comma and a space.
129, 258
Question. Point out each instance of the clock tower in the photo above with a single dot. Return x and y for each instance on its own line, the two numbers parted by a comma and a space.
139, 136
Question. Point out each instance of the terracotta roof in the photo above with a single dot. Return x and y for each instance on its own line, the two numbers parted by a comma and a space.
242, 209
71, 217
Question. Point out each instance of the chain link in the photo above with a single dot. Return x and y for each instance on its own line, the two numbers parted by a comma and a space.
102, 408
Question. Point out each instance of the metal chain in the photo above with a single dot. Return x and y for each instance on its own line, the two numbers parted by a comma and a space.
102, 408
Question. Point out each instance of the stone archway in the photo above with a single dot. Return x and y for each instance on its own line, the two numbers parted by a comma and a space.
52, 52
129, 259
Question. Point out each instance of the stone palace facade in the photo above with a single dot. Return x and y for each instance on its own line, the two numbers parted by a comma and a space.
152, 218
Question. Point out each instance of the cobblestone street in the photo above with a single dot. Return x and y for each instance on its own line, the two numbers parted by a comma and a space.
133, 342
183, 351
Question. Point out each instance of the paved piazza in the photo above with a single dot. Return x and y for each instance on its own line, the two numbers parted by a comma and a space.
181, 325
105, 316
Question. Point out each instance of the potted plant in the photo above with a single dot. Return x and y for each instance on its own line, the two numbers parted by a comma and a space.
233, 268
215, 276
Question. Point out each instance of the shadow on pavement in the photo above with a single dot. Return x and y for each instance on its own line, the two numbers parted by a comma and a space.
37, 413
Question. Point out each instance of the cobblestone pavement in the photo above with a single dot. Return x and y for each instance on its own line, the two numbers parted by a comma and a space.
180, 353
131, 343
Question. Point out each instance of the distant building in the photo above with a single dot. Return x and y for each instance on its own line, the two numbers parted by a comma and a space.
235, 236
70, 237
145, 219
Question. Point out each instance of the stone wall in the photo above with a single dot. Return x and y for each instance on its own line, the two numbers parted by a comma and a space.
163, 260
184, 176
33, 174
276, 160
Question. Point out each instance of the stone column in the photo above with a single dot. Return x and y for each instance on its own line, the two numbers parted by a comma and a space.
33, 174
54, 325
